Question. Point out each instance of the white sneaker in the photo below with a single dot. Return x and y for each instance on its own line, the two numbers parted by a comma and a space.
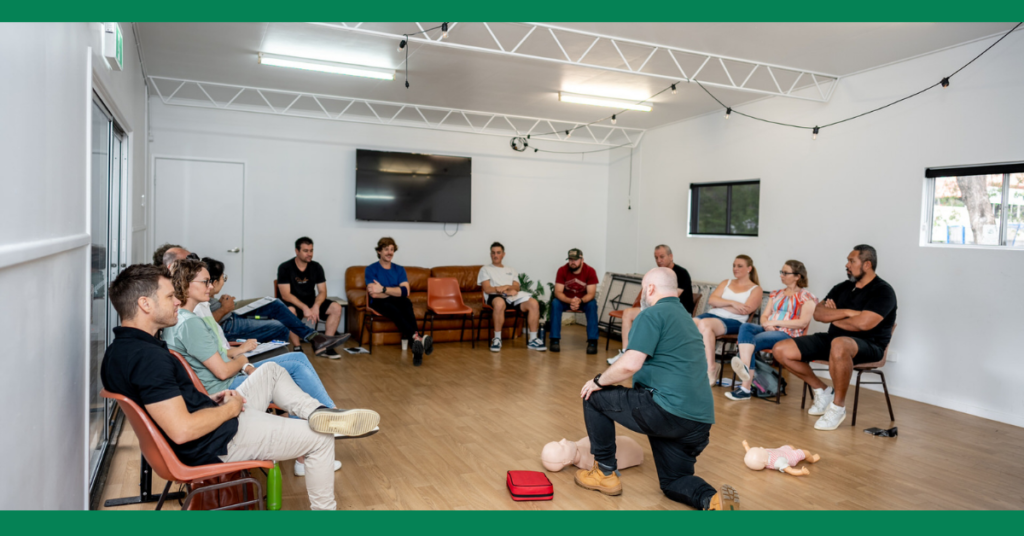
300, 468
822, 398
495, 344
367, 434
613, 359
537, 344
741, 370
833, 417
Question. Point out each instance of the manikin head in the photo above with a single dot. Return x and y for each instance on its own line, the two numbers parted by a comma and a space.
860, 262
304, 249
657, 284
556, 455
663, 256
756, 458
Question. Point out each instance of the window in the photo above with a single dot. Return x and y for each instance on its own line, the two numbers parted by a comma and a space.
976, 205
725, 208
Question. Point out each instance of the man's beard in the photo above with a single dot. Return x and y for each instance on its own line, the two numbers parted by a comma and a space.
643, 299
854, 278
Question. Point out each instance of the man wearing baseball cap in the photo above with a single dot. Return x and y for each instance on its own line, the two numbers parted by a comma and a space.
575, 290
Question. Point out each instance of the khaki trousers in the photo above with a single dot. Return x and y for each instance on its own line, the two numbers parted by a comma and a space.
262, 436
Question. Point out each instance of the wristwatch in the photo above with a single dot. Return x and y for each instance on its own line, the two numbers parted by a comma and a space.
596, 382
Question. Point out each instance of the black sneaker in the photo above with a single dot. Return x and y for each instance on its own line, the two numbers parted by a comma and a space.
321, 343
591, 347
417, 360
428, 344
296, 348
554, 346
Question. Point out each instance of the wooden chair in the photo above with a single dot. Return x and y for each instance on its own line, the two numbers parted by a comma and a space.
165, 462
444, 298
870, 368
486, 313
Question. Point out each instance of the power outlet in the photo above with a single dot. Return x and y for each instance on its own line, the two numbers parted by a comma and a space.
891, 357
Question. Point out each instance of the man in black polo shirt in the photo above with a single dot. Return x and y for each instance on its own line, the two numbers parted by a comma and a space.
303, 287
862, 314
231, 425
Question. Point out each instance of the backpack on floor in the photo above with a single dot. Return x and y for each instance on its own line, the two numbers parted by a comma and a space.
767, 380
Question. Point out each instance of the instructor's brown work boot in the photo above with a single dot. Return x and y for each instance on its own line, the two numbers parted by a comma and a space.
596, 480
726, 499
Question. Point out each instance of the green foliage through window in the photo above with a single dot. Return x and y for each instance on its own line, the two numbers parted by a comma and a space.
725, 208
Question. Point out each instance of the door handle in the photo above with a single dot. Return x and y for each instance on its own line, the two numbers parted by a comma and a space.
236, 250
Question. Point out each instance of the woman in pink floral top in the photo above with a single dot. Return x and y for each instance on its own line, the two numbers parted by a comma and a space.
788, 313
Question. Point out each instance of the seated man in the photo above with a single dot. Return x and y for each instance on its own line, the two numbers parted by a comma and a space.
862, 314
158, 255
575, 290
176, 253
387, 291
501, 291
663, 258
272, 322
670, 401
231, 425
303, 287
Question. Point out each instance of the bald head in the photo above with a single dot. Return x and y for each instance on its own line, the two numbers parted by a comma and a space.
659, 283
174, 254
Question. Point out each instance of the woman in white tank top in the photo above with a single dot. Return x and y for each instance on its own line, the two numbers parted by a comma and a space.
732, 302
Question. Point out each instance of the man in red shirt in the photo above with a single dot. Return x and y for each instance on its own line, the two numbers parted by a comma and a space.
575, 290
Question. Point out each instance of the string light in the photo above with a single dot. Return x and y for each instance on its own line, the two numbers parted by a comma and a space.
402, 44
444, 30
945, 82
673, 89
568, 134
815, 136
613, 119
727, 112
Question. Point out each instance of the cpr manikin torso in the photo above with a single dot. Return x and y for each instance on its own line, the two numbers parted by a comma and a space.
557, 454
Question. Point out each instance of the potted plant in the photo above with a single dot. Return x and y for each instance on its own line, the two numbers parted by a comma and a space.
543, 299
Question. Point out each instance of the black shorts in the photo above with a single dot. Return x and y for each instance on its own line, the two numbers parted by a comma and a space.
323, 309
818, 346
490, 301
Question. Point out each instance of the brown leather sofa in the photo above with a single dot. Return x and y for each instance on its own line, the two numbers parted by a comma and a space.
445, 328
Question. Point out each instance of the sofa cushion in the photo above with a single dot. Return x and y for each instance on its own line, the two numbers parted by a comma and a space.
465, 275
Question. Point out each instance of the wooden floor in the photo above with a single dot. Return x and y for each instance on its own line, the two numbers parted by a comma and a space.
451, 428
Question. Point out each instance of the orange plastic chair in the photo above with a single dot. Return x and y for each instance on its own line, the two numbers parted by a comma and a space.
165, 462
611, 320
444, 298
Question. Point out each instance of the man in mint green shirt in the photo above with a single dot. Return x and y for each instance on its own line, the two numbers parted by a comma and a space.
670, 401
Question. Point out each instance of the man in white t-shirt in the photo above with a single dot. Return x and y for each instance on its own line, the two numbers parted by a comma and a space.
501, 291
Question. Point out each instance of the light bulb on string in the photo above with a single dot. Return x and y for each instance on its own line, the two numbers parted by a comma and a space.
568, 134
945, 82
613, 119
401, 45
727, 112
673, 89
444, 30
815, 134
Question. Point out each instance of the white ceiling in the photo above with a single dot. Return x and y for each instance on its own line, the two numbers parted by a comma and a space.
448, 77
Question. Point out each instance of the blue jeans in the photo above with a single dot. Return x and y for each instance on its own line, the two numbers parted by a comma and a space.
274, 323
732, 326
301, 371
558, 307
761, 339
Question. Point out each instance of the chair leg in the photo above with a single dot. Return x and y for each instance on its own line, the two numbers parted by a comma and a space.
462, 330
370, 329
163, 496
803, 399
886, 390
856, 398
778, 395
611, 329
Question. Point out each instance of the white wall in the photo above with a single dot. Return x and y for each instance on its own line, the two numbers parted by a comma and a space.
960, 316
300, 180
45, 102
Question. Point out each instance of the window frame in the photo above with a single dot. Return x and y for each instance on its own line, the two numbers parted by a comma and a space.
695, 200
1006, 169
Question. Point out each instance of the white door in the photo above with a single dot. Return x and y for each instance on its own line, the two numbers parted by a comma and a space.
198, 204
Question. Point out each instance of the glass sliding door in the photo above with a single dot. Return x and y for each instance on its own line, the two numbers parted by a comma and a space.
108, 208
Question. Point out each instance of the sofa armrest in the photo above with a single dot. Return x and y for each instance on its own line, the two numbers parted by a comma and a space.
356, 298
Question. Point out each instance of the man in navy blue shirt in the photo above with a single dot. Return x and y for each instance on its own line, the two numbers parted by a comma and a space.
387, 290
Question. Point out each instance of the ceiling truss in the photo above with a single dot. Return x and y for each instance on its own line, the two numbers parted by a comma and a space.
182, 92
550, 43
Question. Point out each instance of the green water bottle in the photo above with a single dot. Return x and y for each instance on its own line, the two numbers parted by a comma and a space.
274, 488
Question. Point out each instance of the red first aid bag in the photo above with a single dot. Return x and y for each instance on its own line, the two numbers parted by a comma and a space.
529, 486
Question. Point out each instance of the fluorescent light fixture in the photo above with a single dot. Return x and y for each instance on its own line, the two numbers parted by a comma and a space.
326, 66
383, 197
603, 101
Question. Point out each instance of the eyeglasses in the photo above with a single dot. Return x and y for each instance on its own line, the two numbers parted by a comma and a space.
787, 273
225, 276
207, 282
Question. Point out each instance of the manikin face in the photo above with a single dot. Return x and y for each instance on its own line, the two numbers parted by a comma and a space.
387, 253
164, 306
555, 456
305, 253
576, 264
663, 258
497, 255
854, 267
740, 269
198, 290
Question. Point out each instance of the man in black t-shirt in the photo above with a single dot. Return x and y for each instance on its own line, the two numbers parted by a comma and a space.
663, 258
231, 425
303, 287
862, 314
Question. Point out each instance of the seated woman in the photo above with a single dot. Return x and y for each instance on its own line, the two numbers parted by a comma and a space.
788, 313
201, 341
387, 289
732, 303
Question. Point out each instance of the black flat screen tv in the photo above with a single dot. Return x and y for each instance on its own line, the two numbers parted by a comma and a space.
412, 187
